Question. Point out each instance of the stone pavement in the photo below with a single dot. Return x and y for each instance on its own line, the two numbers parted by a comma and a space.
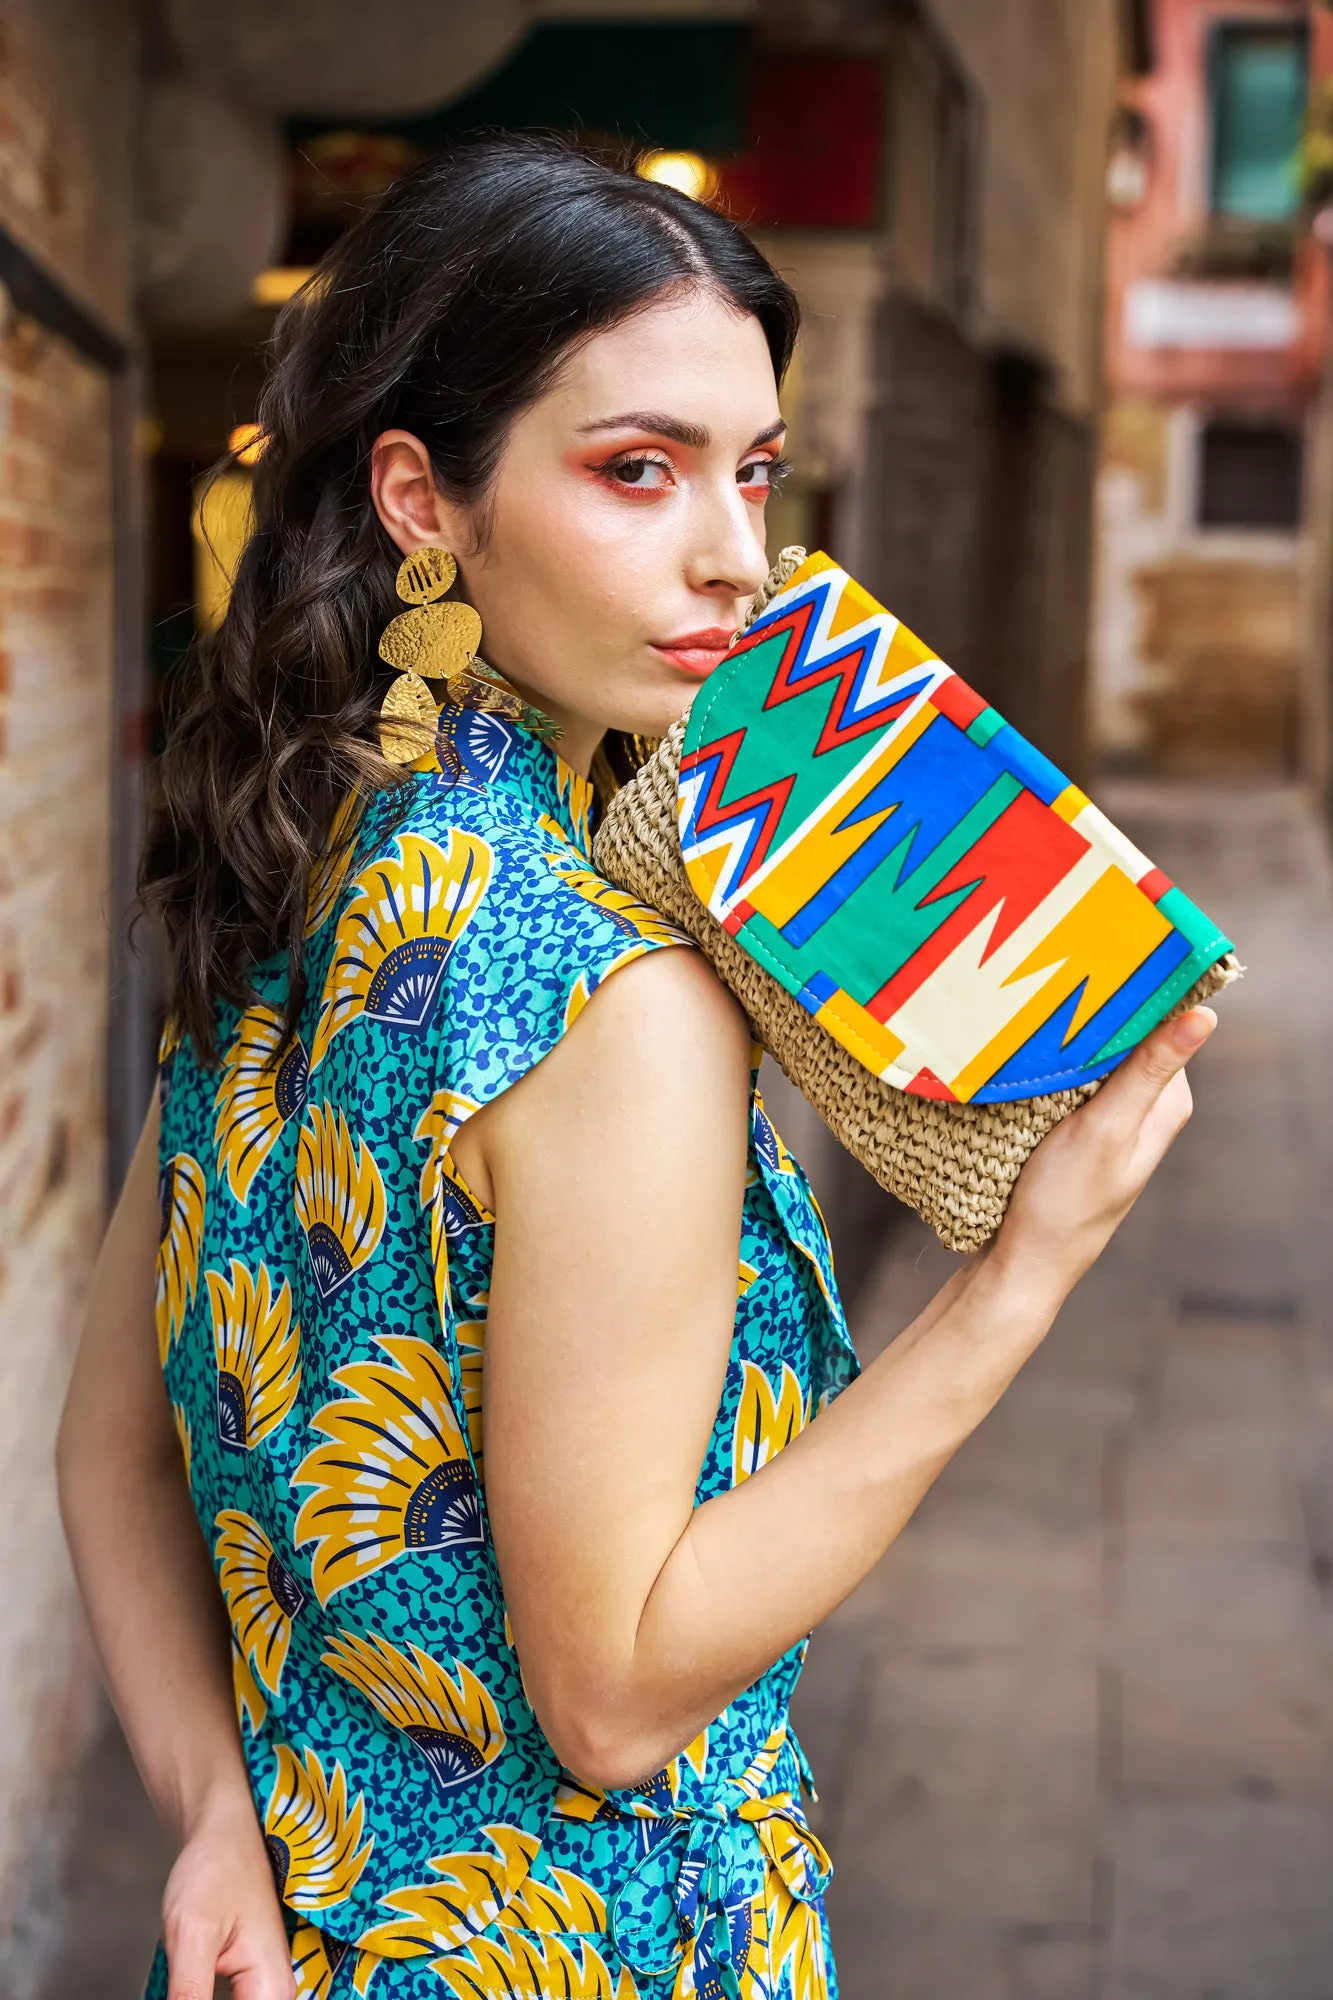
1075, 1734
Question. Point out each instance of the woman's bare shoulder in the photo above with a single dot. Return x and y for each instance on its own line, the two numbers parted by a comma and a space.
661, 1048
666, 1011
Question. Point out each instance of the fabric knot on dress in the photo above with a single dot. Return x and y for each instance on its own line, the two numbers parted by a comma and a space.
701, 1883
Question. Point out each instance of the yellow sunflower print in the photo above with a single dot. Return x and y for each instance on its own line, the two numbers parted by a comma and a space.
313, 1833
394, 1475
181, 1193
393, 941
263, 1597
257, 1345
339, 1199
261, 1089
454, 1723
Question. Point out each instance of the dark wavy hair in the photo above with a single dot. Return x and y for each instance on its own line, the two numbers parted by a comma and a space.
445, 311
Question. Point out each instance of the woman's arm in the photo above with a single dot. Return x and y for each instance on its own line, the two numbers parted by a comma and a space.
616, 1169
158, 1618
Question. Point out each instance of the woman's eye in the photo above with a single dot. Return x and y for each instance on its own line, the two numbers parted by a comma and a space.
763, 475
644, 474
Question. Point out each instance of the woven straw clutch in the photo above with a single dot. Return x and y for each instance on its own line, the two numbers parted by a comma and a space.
954, 1162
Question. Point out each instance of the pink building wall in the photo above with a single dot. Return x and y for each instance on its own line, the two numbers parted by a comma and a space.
1196, 639
1146, 243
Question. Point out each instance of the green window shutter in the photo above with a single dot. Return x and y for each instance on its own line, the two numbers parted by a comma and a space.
1259, 91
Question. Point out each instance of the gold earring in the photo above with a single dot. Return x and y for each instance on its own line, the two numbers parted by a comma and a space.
431, 640
435, 641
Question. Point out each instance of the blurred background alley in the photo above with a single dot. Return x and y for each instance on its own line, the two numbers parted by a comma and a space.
1064, 402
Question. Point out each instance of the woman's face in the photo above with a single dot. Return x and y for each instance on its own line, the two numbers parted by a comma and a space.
624, 531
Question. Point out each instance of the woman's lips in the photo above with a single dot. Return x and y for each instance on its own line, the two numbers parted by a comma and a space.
698, 652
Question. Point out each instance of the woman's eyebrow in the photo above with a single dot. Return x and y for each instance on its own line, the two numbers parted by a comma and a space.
675, 428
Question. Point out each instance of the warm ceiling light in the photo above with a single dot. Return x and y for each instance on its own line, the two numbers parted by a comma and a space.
688, 173
246, 444
276, 285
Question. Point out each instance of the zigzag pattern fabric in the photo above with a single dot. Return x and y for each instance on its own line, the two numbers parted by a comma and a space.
931, 888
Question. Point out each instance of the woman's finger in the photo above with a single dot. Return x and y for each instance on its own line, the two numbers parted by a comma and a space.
192, 1958
273, 1980
1165, 1121
1138, 1085
258, 1960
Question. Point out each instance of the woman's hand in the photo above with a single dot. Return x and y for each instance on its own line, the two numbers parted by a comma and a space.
1084, 1178
220, 1912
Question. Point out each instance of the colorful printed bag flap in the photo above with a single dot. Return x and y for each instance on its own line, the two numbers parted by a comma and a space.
943, 901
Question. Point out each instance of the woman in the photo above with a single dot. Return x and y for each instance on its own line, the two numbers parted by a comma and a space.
409, 1121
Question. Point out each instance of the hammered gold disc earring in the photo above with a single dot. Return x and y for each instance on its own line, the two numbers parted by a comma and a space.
430, 641
435, 641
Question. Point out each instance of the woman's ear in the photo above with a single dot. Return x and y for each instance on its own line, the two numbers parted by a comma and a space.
413, 511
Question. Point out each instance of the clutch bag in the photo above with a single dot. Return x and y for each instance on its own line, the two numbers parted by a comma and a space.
939, 938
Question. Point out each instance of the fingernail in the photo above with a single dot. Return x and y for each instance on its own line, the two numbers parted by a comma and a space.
1193, 1029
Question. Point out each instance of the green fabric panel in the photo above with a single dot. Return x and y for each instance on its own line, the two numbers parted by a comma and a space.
1259, 98
879, 927
780, 741
1189, 919
985, 727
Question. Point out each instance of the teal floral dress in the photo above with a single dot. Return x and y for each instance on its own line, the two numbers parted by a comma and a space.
322, 1287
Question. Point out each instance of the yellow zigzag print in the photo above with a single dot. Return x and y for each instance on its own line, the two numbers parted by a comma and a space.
765, 1422
257, 1346
181, 1194
263, 1597
453, 1723
330, 871
339, 1199
446, 1915
311, 1834
437, 1127
257, 1095
394, 938
395, 1475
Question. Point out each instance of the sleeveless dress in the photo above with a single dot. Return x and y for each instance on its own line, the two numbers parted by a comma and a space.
322, 1286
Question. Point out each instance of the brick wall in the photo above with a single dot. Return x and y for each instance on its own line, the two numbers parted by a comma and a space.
64, 115
67, 105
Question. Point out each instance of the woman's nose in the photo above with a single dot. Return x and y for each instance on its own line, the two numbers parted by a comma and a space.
730, 553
